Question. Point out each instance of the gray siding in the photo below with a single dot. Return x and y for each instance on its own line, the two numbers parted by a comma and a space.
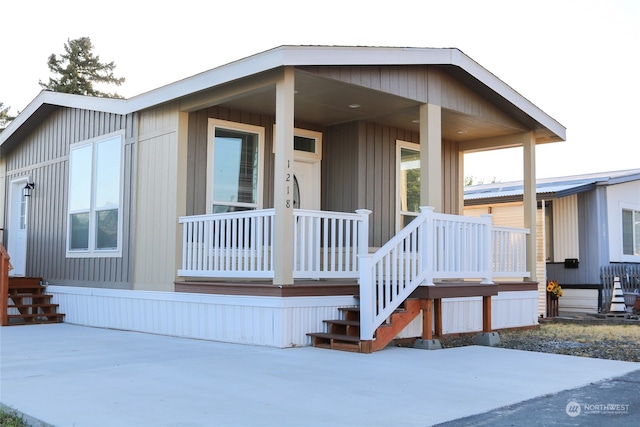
591, 245
44, 154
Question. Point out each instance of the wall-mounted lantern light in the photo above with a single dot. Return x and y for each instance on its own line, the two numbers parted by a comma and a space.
26, 191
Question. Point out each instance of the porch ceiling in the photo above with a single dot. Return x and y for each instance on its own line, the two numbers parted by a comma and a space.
329, 102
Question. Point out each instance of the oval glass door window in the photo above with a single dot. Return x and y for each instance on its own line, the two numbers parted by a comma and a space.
296, 193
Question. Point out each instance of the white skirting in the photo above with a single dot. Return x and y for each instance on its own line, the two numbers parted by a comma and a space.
258, 320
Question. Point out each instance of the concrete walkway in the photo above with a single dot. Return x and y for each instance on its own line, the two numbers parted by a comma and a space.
67, 375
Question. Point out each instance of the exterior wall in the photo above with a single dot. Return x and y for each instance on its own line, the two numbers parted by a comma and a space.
618, 196
565, 228
160, 182
589, 226
419, 82
44, 156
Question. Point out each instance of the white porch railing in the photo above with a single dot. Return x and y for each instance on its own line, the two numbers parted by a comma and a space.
239, 244
435, 246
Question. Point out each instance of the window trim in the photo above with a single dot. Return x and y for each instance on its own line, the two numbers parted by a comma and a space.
635, 209
92, 251
240, 127
305, 133
400, 144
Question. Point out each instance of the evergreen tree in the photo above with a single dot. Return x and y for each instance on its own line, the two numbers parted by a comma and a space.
5, 118
78, 69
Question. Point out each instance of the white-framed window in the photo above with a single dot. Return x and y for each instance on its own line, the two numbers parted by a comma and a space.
408, 182
630, 232
306, 143
234, 166
94, 220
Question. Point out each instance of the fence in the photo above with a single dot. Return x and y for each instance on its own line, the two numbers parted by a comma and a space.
629, 275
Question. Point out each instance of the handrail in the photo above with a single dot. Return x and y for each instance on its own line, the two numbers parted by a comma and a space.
239, 244
4, 285
432, 246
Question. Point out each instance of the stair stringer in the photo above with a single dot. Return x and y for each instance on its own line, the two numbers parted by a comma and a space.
385, 333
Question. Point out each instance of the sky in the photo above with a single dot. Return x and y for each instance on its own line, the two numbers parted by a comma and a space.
577, 60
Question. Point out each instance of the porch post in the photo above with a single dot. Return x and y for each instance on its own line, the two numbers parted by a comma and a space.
530, 204
283, 180
431, 156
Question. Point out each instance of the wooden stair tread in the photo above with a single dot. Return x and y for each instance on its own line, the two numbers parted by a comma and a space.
37, 305
328, 336
343, 322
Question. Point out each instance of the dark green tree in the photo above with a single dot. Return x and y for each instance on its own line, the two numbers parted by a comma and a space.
5, 118
79, 69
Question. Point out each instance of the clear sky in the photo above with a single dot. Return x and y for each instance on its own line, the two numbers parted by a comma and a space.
577, 60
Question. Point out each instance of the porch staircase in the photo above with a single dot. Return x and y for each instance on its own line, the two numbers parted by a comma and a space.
29, 304
344, 334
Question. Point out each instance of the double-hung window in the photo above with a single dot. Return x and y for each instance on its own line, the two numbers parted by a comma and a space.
630, 232
234, 166
95, 197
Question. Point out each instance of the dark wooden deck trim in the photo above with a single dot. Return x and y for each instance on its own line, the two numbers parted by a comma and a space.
307, 288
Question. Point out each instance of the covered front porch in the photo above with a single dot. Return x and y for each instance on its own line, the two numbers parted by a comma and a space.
232, 253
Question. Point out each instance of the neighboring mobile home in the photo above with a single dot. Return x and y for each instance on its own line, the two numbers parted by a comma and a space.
252, 199
589, 232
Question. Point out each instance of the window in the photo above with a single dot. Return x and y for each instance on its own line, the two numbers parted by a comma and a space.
95, 193
408, 178
235, 166
630, 232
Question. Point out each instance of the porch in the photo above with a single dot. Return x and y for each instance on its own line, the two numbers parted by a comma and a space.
230, 254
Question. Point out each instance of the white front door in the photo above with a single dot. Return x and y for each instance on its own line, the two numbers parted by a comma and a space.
17, 229
306, 184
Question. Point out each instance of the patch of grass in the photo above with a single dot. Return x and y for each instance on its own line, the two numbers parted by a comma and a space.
8, 419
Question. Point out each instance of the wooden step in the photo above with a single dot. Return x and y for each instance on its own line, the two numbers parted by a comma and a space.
37, 318
343, 327
338, 342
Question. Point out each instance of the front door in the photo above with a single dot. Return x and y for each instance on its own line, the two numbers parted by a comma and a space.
17, 227
306, 184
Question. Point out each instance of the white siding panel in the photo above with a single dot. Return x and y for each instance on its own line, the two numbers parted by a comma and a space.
579, 301
264, 321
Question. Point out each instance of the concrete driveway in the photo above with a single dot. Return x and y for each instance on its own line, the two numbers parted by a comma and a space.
66, 375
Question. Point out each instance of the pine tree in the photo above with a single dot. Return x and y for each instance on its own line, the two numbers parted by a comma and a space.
78, 69
5, 118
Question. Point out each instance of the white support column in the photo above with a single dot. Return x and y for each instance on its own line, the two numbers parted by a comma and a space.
283, 180
431, 156
530, 204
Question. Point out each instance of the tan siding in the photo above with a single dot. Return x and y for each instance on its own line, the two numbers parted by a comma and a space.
565, 228
156, 202
451, 184
541, 263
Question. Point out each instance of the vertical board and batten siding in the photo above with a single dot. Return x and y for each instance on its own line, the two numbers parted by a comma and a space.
44, 156
565, 228
422, 83
156, 202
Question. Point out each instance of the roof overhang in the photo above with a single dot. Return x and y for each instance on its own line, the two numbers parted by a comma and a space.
297, 56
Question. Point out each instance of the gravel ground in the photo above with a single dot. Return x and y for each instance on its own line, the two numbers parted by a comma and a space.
601, 341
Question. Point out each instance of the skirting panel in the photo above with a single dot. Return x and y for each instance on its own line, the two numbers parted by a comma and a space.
266, 321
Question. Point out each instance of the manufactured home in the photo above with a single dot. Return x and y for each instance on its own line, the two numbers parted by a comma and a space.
254, 201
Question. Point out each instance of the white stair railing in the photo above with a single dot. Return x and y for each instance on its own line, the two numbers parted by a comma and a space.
433, 246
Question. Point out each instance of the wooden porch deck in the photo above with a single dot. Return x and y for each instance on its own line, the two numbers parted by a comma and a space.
305, 288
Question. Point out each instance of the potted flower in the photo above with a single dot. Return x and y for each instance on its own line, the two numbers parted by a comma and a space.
554, 289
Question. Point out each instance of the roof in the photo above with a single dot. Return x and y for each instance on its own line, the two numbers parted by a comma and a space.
287, 56
546, 188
